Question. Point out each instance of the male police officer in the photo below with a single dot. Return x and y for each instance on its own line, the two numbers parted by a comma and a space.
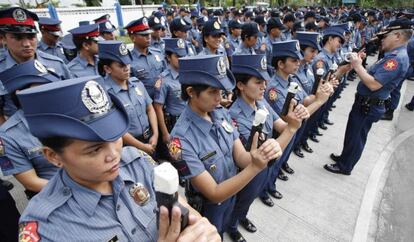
17, 26
147, 62
51, 32
374, 88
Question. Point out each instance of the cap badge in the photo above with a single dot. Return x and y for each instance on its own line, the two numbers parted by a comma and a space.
156, 20
297, 46
40, 67
182, 22
216, 25
94, 98
123, 50
221, 66
108, 25
180, 43
263, 63
19, 15
140, 194
144, 21
205, 18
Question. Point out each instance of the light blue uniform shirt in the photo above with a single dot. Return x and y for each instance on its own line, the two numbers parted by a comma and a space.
56, 50
243, 114
135, 101
306, 78
169, 94
147, 68
80, 67
206, 146
66, 211
276, 93
52, 64
389, 71
244, 50
21, 150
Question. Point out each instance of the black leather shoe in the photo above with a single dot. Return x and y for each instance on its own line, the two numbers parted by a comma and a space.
282, 176
248, 225
334, 168
313, 138
318, 133
409, 107
267, 201
306, 148
237, 237
298, 152
287, 168
333, 106
276, 194
323, 126
328, 122
6, 184
335, 158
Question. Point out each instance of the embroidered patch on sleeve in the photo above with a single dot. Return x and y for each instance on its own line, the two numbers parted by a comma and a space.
174, 148
390, 65
272, 94
28, 232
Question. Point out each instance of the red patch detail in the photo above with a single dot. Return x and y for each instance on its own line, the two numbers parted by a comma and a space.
272, 94
28, 232
390, 65
175, 149
234, 122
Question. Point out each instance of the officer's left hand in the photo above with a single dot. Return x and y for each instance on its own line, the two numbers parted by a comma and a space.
334, 81
269, 150
198, 229
153, 141
355, 60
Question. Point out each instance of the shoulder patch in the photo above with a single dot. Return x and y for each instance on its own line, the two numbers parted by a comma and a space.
174, 148
28, 232
390, 65
272, 94
158, 83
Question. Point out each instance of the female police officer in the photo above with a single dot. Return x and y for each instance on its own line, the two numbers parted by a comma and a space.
103, 192
114, 63
206, 146
21, 151
251, 75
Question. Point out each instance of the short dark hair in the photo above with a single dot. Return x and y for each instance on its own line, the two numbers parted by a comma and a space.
56, 143
276, 59
198, 88
102, 63
243, 78
78, 41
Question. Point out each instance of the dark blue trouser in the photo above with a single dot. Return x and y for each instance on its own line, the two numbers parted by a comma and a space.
356, 134
271, 182
246, 196
219, 214
300, 133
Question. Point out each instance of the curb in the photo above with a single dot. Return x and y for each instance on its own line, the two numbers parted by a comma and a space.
366, 210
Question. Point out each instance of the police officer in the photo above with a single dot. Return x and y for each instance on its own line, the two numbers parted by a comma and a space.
206, 146
249, 35
234, 34
179, 29
51, 32
251, 75
147, 62
114, 61
274, 30
157, 33
212, 35
19, 35
103, 191
374, 88
85, 39
21, 152
167, 101
288, 21
107, 30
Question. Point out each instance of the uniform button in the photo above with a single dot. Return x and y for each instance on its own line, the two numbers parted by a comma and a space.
118, 207
66, 191
133, 230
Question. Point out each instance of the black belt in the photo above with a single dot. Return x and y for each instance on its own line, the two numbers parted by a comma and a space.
369, 100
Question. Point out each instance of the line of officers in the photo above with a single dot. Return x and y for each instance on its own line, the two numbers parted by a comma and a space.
190, 98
